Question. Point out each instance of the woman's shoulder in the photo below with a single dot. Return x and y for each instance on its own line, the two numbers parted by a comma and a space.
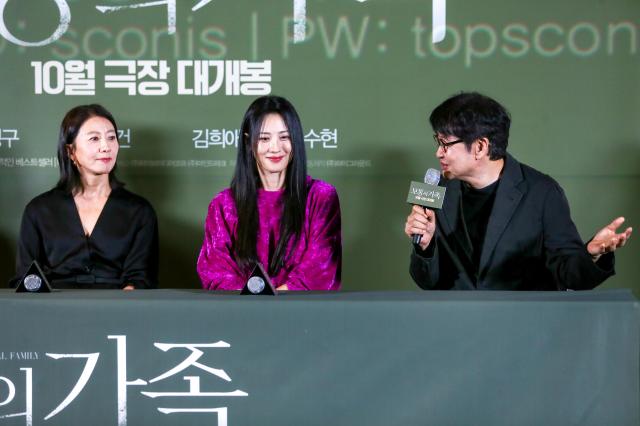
223, 203
224, 197
131, 200
131, 197
321, 189
222, 207
46, 199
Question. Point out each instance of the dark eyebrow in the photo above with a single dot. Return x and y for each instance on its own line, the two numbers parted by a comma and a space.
97, 132
280, 132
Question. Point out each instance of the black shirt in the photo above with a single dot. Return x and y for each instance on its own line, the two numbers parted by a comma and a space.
121, 250
476, 208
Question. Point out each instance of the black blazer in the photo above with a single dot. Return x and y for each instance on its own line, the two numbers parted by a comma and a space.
531, 243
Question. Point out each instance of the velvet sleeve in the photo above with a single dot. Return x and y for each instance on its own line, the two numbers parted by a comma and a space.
321, 262
140, 267
216, 266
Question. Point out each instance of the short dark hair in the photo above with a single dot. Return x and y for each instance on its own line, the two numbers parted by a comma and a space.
71, 123
246, 181
471, 116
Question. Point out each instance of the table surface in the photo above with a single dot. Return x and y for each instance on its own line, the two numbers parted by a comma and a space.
374, 358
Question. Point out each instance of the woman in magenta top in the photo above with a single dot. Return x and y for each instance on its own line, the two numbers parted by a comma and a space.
273, 213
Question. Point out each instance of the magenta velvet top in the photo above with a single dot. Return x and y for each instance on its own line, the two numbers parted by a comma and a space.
314, 263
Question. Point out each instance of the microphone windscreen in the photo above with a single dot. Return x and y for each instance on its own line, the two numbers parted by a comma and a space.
432, 177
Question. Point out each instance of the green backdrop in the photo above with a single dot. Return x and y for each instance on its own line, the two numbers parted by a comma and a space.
368, 73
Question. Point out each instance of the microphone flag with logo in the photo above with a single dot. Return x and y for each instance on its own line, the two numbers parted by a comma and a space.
427, 194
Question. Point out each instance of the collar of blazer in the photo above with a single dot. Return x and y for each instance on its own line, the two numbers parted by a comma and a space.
510, 192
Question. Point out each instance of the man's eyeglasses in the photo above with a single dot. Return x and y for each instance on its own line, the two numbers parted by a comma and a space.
444, 144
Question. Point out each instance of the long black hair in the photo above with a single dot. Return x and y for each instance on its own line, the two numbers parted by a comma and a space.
71, 123
246, 181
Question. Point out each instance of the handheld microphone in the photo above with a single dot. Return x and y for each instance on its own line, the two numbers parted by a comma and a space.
428, 194
432, 177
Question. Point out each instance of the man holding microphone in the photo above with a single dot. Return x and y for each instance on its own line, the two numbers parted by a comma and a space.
503, 225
